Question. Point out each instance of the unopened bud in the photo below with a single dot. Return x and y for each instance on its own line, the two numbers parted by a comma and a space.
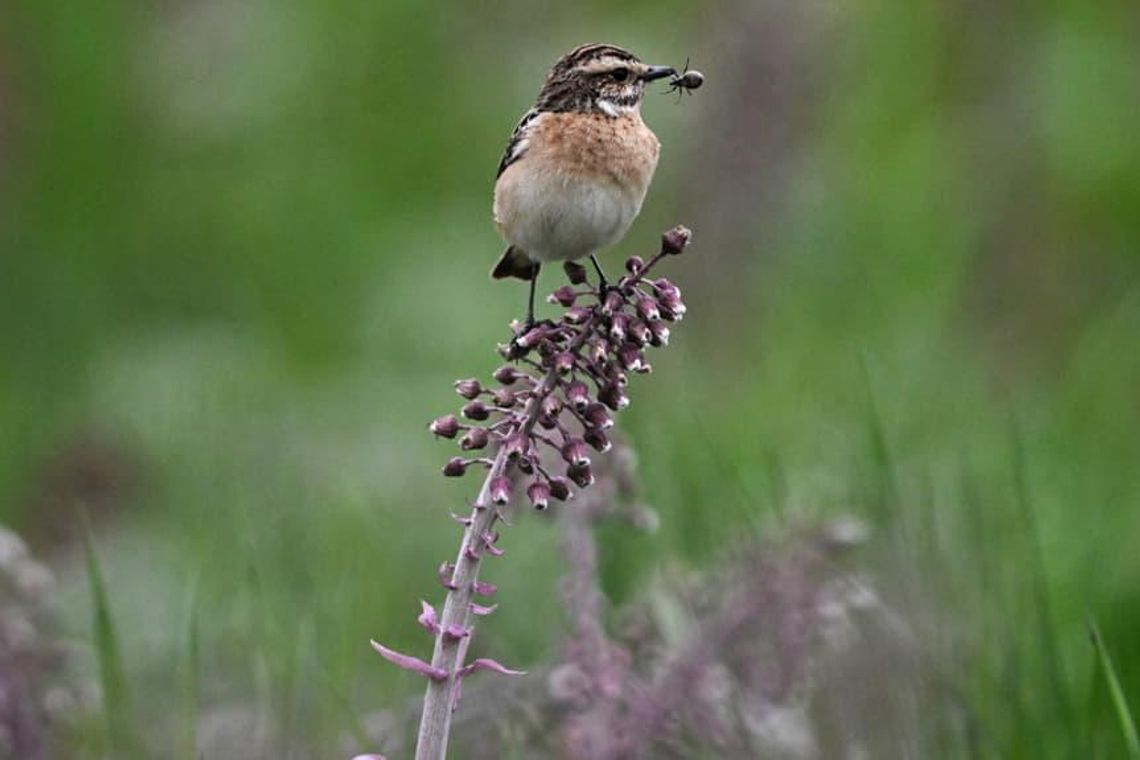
574, 452
580, 474
445, 427
475, 410
597, 439
612, 396
647, 308
577, 395
563, 362
532, 338
552, 405
630, 357
507, 374
474, 438
597, 416
455, 467
468, 389
639, 332
612, 303
675, 240
539, 494
565, 295
659, 332
515, 446
634, 264
618, 325
500, 490
504, 398
560, 488
599, 350
576, 315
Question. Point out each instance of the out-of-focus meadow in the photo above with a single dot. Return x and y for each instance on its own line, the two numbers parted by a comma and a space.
244, 251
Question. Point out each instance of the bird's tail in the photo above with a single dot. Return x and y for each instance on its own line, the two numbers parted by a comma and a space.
515, 263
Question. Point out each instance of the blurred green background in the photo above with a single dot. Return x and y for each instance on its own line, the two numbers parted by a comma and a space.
244, 251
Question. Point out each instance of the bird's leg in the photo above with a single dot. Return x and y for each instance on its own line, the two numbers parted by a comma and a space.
603, 283
530, 302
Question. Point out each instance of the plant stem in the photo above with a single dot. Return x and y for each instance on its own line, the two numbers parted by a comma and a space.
435, 723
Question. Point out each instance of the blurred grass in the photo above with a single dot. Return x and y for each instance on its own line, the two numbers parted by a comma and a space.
244, 249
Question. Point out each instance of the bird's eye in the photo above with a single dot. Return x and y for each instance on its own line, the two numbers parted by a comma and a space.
620, 75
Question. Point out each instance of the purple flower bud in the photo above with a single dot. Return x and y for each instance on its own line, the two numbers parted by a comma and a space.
532, 337
671, 300
552, 406
500, 490
483, 588
647, 308
575, 271
666, 289
445, 427
675, 240
539, 494
474, 438
547, 422
597, 439
515, 446
577, 395
469, 388
565, 295
599, 350
634, 264
669, 315
597, 416
480, 610
475, 410
659, 334
563, 362
455, 467
618, 325
612, 303
612, 396
574, 452
577, 315
560, 488
504, 398
507, 374
581, 474
630, 357
639, 332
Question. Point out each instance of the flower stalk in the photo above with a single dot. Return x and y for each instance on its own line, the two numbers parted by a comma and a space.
543, 424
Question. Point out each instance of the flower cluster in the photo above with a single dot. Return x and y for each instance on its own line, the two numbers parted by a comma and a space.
535, 429
554, 404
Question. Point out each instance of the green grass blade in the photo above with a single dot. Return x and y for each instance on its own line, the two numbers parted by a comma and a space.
1123, 713
121, 740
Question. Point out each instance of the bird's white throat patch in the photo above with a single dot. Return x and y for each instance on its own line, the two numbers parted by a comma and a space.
614, 110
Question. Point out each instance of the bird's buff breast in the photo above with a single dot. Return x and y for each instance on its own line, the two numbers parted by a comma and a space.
578, 187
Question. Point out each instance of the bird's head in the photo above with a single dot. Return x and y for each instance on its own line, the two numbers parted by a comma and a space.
598, 77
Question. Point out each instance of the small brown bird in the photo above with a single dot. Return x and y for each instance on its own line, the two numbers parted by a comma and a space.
578, 165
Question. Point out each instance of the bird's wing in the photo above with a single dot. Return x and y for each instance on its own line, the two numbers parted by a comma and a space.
516, 146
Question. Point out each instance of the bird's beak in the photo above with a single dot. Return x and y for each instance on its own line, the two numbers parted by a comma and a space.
658, 72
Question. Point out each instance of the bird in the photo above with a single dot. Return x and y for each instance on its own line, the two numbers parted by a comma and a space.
578, 165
